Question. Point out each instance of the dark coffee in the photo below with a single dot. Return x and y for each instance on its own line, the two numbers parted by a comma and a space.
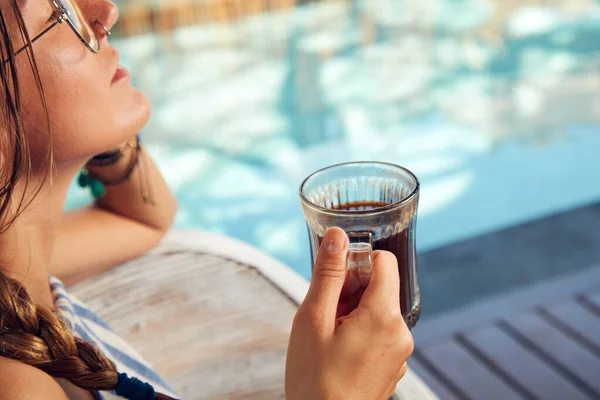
398, 244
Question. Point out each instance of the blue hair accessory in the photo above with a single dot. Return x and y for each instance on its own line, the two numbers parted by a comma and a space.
96, 186
134, 389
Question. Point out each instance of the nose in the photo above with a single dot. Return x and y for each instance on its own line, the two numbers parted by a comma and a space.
110, 14
102, 12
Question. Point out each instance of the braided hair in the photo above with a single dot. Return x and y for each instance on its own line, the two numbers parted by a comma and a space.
36, 336
29, 333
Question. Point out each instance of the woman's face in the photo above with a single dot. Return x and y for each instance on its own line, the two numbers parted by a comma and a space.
92, 107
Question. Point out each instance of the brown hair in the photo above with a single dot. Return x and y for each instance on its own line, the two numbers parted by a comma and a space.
32, 334
36, 336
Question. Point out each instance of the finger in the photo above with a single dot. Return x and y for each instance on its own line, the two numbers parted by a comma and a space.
402, 372
343, 319
396, 380
391, 390
328, 278
348, 304
352, 284
383, 292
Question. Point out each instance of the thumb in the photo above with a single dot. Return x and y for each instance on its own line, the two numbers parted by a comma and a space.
328, 278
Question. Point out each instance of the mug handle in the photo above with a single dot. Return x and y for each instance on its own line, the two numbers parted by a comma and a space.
359, 260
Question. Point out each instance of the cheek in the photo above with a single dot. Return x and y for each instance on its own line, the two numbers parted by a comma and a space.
87, 114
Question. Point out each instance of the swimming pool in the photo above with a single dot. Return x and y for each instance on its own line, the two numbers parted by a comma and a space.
495, 107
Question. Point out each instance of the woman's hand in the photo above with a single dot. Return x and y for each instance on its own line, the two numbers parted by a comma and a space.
360, 356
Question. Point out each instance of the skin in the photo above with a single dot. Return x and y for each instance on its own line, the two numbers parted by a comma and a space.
357, 356
90, 114
20, 381
80, 244
78, 83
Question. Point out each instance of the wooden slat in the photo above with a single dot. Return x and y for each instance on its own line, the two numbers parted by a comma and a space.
531, 373
505, 306
593, 292
221, 327
579, 320
563, 350
467, 373
214, 327
434, 383
594, 300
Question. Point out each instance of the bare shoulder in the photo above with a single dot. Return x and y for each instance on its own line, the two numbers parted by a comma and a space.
21, 381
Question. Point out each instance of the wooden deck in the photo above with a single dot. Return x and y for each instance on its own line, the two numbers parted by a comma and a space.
541, 342
212, 327
211, 314
517, 257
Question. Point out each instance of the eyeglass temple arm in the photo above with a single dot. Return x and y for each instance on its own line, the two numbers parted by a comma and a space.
58, 21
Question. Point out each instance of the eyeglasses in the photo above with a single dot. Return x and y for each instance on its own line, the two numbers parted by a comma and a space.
68, 11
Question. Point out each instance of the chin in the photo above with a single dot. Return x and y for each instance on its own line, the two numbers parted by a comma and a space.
136, 116
144, 116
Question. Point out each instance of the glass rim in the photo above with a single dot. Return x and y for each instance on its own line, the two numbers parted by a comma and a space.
388, 207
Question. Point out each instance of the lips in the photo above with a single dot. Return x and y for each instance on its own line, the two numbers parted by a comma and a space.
121, 73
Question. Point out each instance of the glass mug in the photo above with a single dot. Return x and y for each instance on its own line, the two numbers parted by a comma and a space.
376, 205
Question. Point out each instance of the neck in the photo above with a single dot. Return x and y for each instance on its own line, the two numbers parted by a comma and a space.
26, 247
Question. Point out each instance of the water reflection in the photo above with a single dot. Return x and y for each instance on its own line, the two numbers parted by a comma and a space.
488, 101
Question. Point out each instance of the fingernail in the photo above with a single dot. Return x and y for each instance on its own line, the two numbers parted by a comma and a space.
335, 240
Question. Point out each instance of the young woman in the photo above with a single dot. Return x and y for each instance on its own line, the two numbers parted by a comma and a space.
67, 107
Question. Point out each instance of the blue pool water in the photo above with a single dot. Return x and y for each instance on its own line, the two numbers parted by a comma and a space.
495, 107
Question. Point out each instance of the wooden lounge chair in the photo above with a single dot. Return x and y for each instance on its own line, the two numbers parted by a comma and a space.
540, 342
212, 314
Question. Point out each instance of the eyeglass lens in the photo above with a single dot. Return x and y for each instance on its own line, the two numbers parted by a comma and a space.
80, 23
